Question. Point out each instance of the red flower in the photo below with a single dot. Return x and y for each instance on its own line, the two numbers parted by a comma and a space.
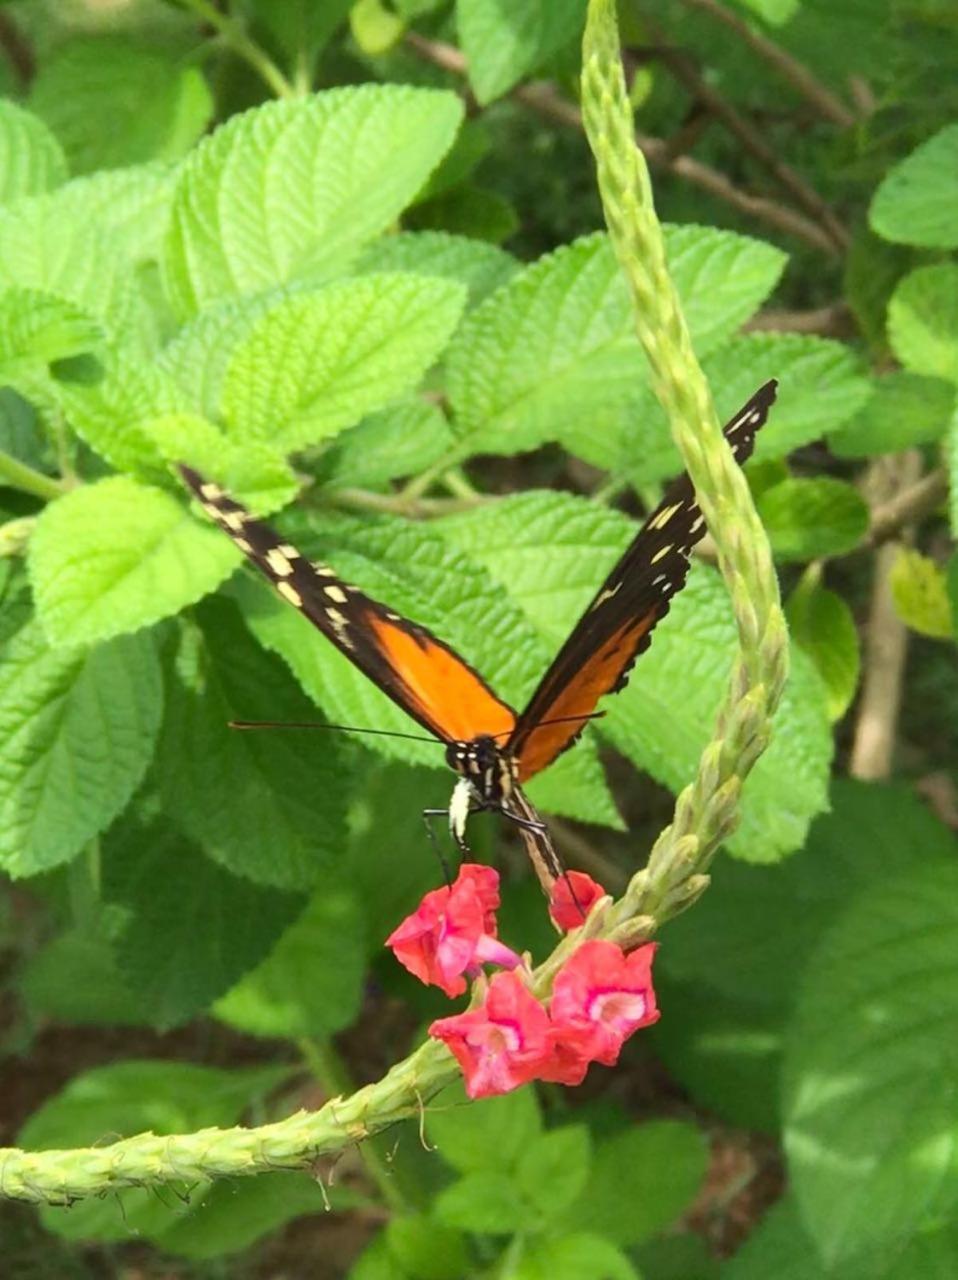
600, 996
453, 931
504, 1043
573, 897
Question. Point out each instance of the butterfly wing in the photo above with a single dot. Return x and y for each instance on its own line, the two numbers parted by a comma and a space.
418, 671
617, 626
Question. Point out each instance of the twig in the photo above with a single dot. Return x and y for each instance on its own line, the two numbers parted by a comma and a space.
684, 71
17, 49
17, 475
235, 38
796, 73
546, 102
832, 321
886, 640
907, 507
401, 504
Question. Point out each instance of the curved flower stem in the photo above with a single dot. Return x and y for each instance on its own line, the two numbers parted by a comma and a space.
19, 476
706, 811
235, 38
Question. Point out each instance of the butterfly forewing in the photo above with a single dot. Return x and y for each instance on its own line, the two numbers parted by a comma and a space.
616, 627
424, 676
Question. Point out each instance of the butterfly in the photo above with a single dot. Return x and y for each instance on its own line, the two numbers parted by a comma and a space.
493, 749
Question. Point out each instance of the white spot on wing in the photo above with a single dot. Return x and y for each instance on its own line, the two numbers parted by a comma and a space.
289, 592
663, 551
335, 593
278, 563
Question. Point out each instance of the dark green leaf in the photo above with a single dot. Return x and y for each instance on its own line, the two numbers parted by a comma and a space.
552, 1171
807, 519
484, 1203
823, 625
904, 410
427, 1250
916, 201
487, 1136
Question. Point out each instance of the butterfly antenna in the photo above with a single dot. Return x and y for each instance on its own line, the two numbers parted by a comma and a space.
321, 724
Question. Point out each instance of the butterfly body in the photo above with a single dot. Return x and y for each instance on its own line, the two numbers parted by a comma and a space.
492, 749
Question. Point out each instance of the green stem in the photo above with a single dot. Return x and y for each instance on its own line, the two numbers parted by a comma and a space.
19, 476
235, 38
328, 1068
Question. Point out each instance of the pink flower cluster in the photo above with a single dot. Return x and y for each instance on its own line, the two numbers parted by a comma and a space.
600, 996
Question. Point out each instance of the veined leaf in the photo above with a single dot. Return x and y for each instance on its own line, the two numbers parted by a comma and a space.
904, 410
504, 42
920, 592
317, 362
291, 190
38, 328
86, 85
31, 159
131, 204
553, 353
482, 267
809, 518
77, 729
397, 441
870, 1069
268, 806
117, 555
916, 200
923, 321
416, 572
550, 552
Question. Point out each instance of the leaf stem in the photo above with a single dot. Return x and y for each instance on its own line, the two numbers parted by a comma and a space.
236, 38
17, 475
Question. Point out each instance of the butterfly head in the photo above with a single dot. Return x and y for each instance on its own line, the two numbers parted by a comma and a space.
489, 768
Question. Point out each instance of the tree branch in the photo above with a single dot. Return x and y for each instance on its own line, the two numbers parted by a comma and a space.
796, 73
546, 102
907, 507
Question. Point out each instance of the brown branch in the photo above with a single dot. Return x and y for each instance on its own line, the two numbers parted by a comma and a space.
886, 637
681, 67
546, 102
907, 507
796, 73
17, 48
832, 321
401, 504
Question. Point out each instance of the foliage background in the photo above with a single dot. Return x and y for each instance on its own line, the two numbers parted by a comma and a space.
400, 284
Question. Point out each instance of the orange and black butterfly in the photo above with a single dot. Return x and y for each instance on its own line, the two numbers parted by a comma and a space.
493, 749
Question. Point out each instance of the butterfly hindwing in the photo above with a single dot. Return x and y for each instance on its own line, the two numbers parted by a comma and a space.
418, 671
617, 626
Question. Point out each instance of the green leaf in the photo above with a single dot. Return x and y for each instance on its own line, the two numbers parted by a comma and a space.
870, 1069
555, 347
132, 205
118, 555
414, 570
77, 729
480, 266
467, 210
312, 982
923, 321
87, 85
487, 1136
291, 190
125, 1099
232, 1214
920, 594
642, 1180
301, 26
317, 362
75, 978
873, 268
904, 410
552, 1171
424, 1248
192, 929
821, 384
502, 44
37, 329
952, 579
578, 1255
916, 201
485, 1203
375, 28
550, 552
31, 159
822, 624
400, 440
809, 518
268, 806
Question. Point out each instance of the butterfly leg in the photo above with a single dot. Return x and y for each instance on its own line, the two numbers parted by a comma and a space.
427, 816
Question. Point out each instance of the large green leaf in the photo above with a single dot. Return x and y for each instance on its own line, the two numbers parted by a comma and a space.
312, 982
870, 1068
809, 518
31, 159
904, 410
192, 929
317, 362
550, 552
553, 353
117, 555
38, 328
917, 199
89, 84
131, 204
822, 623
919, 590
127, 1098
484, 1136
77, 729
573, 1255
480, 266
269, 806
923, 321
291, 190
400, 440
415, 571
504, 42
